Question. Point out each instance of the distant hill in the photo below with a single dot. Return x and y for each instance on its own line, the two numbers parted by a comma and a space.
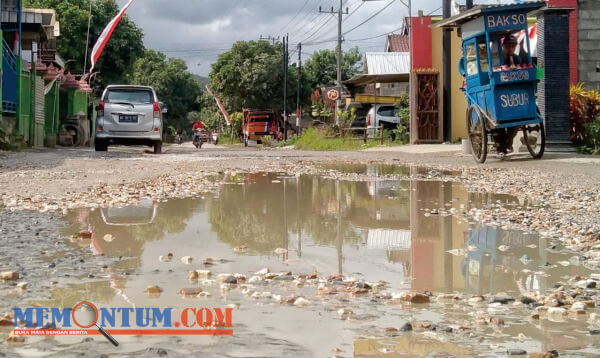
202, 80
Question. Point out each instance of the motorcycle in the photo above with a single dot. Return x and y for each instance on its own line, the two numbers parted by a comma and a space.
178, 139
215, 137
200, 137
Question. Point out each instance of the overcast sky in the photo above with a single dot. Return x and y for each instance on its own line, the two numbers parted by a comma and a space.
198, 30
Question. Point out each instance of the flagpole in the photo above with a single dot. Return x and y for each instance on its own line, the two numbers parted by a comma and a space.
87, 40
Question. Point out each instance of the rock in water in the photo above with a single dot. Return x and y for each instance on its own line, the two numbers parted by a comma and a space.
153, 289
502, 299
204, 273
280, 251
84, 234
516, 352
190, 291
407, 327
415, 297
301, 302
262, 272
556, 314
9, 275
193, 275
231, 280
527, 300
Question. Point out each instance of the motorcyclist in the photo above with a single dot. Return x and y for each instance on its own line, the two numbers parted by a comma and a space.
179, 135
198, 126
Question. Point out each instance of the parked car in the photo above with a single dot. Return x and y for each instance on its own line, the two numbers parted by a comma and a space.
129, 115
385, 115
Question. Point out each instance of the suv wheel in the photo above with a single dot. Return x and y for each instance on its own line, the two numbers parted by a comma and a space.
157, 147
100, 145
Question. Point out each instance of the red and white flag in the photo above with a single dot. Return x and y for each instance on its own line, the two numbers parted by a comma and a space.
220, 105
106, 33
533, 37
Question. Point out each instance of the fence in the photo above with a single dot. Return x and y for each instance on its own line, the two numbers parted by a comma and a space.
365, 136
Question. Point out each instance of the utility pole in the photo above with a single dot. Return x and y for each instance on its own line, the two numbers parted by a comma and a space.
340, 12
285, 73
87, 40
298, 106
447, 68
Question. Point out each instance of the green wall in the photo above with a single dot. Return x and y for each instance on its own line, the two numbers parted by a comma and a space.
51, 110
77, 102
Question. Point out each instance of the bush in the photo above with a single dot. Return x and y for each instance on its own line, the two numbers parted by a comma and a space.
584, 107
592, 136
4, 136
402, 135
266, 140
316, 139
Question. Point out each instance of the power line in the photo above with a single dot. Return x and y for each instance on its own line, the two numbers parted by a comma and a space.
370, 17
323, 24
317, 41
374, 37
295, 16
354, 11
304, 22
193, 50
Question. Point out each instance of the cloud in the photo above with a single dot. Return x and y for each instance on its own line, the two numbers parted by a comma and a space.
198, 30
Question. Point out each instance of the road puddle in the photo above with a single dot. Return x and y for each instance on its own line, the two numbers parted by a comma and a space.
352, 248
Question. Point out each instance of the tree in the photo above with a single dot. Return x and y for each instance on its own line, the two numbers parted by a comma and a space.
250, 75
321, 68
125, 45
174, 84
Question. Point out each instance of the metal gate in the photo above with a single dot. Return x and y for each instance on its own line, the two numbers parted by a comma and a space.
425, 116
39, 112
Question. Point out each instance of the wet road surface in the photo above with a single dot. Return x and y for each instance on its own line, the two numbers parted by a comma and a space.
409, 234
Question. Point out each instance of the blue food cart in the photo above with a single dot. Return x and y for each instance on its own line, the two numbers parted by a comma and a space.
500, 96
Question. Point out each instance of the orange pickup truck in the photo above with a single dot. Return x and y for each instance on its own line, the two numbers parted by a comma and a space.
259, 123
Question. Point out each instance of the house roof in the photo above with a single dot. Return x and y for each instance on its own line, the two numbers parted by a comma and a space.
383, 67
387, 63
397, 43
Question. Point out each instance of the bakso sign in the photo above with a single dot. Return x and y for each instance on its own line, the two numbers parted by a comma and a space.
522, 75
506, 21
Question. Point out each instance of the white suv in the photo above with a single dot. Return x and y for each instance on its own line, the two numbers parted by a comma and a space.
385, 115
129, 115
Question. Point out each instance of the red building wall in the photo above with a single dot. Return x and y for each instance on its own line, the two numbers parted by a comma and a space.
420, 43
573, 64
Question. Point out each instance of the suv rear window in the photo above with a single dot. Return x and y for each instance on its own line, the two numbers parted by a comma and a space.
261, 118
135, 96
387, 111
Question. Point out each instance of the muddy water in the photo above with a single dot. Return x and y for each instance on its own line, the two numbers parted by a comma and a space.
408, 234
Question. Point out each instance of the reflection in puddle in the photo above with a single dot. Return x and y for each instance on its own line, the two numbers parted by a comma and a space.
401, 232
377, 169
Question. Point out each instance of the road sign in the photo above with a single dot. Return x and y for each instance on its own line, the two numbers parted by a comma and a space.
333, 94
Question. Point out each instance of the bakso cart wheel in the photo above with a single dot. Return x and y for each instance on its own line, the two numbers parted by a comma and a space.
477, 134
535, 139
